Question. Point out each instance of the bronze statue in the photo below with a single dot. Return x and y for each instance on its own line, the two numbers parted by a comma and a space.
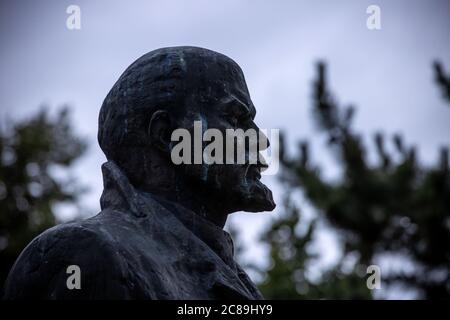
160, 232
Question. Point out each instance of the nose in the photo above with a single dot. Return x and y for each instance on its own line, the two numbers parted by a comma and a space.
263, 141
263, 144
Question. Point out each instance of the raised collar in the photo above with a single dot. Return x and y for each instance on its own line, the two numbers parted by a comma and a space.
121, 195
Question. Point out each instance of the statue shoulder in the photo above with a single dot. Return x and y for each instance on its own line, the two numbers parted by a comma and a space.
81, 248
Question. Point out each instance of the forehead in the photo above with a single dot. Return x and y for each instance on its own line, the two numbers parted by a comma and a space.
216, 83
229, 93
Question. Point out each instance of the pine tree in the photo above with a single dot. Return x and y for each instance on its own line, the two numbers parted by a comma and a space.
29, 151
397, 206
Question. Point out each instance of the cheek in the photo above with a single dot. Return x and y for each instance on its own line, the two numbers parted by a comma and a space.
231, 176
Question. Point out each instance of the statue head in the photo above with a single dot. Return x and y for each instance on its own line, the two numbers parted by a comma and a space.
169, 89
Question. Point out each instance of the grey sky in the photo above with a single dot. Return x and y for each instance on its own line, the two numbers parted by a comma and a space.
386, 74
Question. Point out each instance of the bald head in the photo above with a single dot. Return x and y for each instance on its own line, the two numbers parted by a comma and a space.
176, 79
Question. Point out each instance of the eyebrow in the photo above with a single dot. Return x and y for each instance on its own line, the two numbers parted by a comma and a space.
232, 99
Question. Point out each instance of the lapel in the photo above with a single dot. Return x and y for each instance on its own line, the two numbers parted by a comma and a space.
233, 287
229, 280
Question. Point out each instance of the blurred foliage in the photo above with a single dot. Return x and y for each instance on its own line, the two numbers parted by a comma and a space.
291, 257
396, 205
442, 79
30, 152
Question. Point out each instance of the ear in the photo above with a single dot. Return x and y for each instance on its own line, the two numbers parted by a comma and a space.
159, 130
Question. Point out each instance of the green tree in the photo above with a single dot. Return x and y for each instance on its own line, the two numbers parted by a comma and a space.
397, 206
29, 151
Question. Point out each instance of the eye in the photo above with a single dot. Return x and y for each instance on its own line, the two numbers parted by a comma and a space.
234, 120
232, 117
245, 118
236, 115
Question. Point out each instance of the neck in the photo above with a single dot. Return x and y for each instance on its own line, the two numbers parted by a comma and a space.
193, 200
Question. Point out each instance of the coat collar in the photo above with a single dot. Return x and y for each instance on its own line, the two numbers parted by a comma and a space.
119, 194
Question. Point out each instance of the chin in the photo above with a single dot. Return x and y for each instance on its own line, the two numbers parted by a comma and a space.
239, 188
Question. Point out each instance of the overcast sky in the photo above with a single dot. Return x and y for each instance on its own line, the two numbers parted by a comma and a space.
385, 73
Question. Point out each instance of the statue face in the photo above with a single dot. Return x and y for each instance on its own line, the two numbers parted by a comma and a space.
226, 104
